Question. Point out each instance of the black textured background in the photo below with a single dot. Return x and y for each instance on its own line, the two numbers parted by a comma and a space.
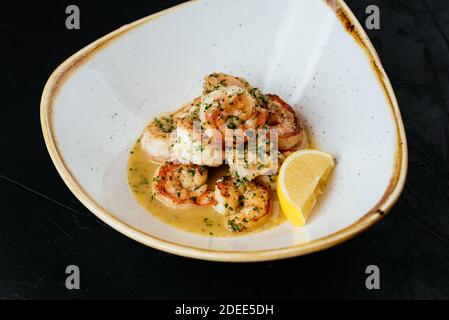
43, 227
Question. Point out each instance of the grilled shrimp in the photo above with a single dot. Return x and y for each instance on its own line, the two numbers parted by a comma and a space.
191, 144
270, 179
182, 185
248, 166
241, 202
231, 108
282, 117
155, 138
188, 113
214, 81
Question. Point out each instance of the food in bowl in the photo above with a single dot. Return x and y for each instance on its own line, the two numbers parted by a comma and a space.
212, 166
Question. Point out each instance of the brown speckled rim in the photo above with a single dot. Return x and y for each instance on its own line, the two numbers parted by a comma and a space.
390, 196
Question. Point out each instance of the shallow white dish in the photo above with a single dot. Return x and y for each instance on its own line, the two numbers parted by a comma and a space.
314, 54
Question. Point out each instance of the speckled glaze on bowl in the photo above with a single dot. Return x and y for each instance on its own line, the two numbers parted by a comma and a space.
313, 53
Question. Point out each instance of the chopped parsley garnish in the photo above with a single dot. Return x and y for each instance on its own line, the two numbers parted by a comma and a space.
233, 226
241, 201
165, 124
259, 96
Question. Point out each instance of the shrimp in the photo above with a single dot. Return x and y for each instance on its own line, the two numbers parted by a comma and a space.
271, 179
231, 108
248, 164
182, 186
215, 81
282, 117
241, 202
188, 113
155, 138
191, 144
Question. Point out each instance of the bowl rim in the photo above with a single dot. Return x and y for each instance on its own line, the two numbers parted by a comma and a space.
389, 198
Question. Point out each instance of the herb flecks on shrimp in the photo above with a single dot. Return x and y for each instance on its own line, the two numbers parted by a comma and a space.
282, 117
242, 203
182, 185
155, 138
231, 108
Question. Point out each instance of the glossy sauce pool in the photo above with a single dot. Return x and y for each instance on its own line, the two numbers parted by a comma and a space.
200, 220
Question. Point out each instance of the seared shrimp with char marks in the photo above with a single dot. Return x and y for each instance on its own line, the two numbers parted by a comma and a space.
282, 117
241, 202
248, 164
182, 185
231, 108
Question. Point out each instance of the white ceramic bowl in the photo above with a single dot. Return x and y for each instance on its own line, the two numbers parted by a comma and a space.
312, 53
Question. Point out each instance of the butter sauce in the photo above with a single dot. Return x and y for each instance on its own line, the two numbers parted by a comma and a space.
200, 220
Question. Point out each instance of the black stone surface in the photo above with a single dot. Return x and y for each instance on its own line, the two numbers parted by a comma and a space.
43, 227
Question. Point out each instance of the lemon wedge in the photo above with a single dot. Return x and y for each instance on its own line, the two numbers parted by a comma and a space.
299, 180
